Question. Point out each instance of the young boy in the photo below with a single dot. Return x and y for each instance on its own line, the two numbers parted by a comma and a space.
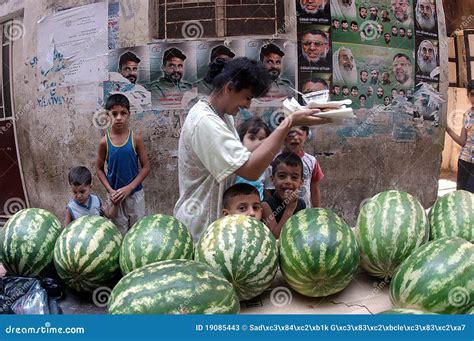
83, 202
312, 173
243, 199
287, 178
127, 164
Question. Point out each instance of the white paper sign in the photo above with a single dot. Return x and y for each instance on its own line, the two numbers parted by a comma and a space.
74, 42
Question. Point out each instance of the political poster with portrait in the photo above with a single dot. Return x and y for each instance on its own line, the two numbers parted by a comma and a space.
207, 52
426, 22
129, 74
314, 81
172, 75
386, 23
427, 60
277, 56
371, 75
427, 44
313, 11
314, 48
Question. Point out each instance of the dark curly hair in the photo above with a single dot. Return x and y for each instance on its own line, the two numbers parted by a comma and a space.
252, 126
242, 72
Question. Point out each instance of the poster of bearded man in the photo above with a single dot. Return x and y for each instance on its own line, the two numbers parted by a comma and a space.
425, 15
313, 11
427, 60
344, 67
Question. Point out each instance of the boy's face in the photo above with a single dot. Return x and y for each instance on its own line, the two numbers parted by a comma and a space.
119, 116
287, 178
295, 140
81, 193
245, 204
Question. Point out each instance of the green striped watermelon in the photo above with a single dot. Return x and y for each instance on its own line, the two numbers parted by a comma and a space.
152, 239
471, 312
178, 286
453, 216
28, 240
438, 277
405, 311
319, 254
86, 255
244, 250
390, 226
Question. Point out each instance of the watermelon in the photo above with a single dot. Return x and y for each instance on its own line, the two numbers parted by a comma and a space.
404, 311
28, 240
438, 277
319, 254
471, 312
86, 254
244, 250
452, 215
152, 239
177, 286
390, 226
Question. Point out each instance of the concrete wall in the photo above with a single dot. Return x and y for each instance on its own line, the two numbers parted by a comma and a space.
55, 138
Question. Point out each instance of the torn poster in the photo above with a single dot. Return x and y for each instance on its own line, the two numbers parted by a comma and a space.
79, 36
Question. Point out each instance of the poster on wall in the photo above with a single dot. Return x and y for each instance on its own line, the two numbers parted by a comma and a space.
207, 52
277, 57
313, 11
382, 23
113, 24
314, 48
79, 35
426, 22
129, 74
172, 75
371, 75
427, 61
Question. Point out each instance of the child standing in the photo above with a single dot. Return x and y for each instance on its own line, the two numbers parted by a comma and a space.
243, 199
312, 173
83, 202
465, 179
252, 132
122, 164
287, 178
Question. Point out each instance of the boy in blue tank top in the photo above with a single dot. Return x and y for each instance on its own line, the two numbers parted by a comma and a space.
83, 202
122, 164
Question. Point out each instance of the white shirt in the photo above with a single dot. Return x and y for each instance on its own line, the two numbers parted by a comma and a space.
209, 153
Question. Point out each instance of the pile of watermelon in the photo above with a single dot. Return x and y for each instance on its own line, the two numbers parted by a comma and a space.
428, 259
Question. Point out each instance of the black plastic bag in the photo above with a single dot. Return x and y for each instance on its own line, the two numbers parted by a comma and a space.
23, 295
